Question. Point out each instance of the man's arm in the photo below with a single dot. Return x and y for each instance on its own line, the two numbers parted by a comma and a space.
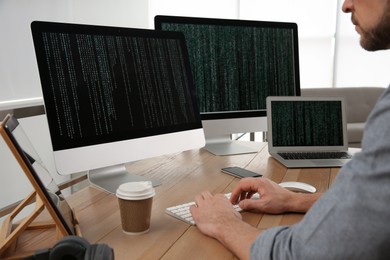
238, 236
215, 216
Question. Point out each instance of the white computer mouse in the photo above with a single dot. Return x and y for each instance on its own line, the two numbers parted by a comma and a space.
298, 186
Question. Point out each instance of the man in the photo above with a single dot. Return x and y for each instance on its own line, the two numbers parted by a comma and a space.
352, 219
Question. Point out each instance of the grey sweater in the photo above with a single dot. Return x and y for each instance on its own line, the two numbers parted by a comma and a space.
352, 219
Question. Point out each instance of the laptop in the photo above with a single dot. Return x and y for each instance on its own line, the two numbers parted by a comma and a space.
307, 131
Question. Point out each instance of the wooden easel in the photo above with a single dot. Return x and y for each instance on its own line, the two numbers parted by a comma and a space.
10, 231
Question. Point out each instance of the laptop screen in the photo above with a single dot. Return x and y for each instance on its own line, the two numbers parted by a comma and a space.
307, 123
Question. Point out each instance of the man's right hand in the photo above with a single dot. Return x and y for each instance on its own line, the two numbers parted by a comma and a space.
274, 199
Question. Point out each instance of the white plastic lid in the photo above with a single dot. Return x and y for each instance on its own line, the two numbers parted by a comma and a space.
135, 190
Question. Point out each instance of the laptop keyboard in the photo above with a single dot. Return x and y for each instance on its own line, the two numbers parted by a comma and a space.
315, 155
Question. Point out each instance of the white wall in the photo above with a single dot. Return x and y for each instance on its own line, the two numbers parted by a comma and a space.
356, 66
19, 73
18, 70
199, 8
316, 25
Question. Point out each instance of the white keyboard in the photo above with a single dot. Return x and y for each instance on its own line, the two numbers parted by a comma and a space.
182, 212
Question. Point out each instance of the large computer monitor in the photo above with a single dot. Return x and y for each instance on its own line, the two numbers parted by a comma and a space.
236, 64
115, 95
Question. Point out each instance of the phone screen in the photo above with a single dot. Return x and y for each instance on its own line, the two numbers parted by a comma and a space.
240, 172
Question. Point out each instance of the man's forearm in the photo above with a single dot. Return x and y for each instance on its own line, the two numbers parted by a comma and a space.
238, 237
302, 202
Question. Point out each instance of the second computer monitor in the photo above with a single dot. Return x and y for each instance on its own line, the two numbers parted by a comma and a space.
236, 64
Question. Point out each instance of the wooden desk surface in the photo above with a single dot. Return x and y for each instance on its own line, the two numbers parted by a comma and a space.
184, 175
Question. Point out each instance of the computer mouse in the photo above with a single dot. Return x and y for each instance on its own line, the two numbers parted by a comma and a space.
298, 186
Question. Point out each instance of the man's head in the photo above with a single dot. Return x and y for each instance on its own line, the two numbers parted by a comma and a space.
372, 21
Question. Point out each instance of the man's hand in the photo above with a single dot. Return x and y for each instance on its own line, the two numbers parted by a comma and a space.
216, 217
274, 199
212, 213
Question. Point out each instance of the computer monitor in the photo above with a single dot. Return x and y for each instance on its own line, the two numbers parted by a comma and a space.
236, 64
115, 95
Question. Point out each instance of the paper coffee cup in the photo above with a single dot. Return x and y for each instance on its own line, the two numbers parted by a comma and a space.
135, 204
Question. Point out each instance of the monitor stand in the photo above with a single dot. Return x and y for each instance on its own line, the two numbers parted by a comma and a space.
224, 145
109, 178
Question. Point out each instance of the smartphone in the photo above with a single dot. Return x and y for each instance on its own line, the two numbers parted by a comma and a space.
240, 172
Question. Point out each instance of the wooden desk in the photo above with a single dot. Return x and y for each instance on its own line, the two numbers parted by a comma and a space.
183, 176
